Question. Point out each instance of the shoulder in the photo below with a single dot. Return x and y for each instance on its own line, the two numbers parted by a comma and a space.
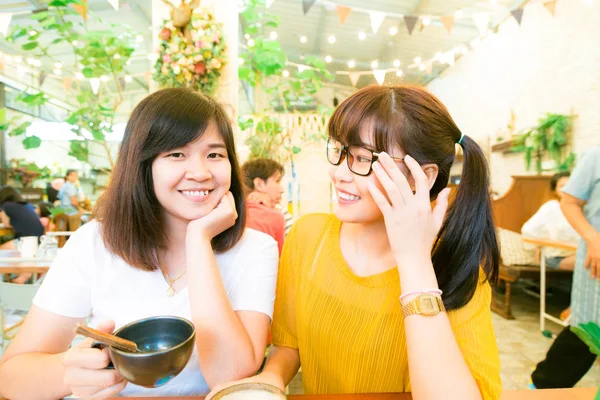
550, 206
87, 239
253, 242
312, 224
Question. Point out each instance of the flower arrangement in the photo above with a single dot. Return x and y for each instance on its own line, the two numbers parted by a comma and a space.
193, 57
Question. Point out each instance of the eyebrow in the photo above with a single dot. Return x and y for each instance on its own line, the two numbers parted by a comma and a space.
217, 146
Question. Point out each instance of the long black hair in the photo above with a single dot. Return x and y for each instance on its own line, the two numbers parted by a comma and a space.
417, 122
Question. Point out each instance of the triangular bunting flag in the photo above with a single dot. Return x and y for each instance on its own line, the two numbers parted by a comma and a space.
410, 23
82, 9
482, 21
551, 6
517, 14
448, 21
95, 84
122, 83
429, 67
67, 81
376, 20
307, 4
114, 3
42, 78
354, 77
5, 19
379, 75
343, 13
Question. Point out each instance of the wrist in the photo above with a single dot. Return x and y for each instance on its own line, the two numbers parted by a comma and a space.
592, 237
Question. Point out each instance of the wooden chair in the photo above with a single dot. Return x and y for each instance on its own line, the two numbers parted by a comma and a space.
61, 224
522, 200
14, 297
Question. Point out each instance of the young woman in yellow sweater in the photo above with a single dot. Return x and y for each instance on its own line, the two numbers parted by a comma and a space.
360, 293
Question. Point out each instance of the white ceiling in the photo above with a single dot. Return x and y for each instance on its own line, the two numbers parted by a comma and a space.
320, 22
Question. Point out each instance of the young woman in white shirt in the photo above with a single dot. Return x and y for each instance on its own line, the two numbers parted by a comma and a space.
550, 223
168, 239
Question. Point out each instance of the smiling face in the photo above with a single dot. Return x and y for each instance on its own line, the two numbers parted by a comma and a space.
354, 202
190, 181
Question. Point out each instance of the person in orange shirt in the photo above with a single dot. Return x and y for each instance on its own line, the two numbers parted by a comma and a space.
389, 294
263, 179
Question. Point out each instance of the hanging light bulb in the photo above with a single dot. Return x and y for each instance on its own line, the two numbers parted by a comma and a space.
399, 73
393, 30
128, 78
328, 59
285, 73
273, 35
374, 64
426, 20
303, 39
331, 39
362, 35
397, 63
351, 64
418, 60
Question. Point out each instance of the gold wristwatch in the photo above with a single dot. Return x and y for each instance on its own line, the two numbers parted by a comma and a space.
424, 304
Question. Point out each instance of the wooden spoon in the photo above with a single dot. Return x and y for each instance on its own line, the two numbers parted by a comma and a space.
107, 339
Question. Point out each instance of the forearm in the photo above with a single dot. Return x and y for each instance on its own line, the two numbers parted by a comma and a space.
33, 376
433, 353
283, 362
225, 351
576, 217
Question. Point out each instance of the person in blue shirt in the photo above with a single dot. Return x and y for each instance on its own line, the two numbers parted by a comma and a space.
68, 195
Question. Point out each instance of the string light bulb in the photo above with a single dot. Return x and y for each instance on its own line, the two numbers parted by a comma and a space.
303, 39
331, 39
418, 60
273, 35
285, 73
393, 30
328, 59
396, 63
426, 20
351, 64
374, 64
362, 35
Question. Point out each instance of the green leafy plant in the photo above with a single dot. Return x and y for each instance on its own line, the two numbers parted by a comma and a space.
26, 173
263, 67
99, 54
548, 139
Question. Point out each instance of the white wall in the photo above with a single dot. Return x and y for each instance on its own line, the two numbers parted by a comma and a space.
549, 64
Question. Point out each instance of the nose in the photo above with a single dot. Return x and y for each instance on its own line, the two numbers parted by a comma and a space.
197, 169
341, 172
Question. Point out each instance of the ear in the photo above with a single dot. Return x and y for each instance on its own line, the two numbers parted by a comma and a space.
259, 184
431, 170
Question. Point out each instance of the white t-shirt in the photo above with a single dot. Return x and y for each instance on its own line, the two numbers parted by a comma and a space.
87, 280
550, 223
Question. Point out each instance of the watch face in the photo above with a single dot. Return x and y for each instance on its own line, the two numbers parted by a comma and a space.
428, 305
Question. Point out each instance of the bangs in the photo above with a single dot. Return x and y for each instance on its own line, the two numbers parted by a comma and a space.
371, 110
180, 118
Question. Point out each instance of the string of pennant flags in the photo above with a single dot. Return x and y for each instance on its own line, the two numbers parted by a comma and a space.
482, 21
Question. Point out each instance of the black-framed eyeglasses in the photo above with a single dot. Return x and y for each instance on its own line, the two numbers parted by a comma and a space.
360, 159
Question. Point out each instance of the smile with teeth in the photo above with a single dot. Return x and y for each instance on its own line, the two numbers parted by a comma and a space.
348, 196
195, 193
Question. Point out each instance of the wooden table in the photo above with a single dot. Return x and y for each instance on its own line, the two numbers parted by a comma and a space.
548, 394
19, 265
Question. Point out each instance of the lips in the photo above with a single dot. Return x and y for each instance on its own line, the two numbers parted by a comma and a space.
346, 196
196, 195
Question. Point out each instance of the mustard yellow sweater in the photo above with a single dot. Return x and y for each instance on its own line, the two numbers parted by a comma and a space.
349, 330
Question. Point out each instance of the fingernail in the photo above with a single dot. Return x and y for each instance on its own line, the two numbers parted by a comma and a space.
408, 156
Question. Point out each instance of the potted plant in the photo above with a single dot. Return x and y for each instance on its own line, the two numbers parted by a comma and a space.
548, 139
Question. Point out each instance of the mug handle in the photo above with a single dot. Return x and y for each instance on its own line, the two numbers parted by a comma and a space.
100, 346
